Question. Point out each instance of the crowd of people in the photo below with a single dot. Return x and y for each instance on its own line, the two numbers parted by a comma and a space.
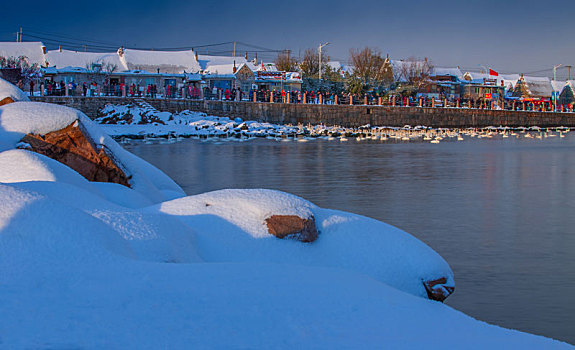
192, 91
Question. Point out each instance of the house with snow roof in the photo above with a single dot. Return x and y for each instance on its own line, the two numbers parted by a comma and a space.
129, 67
443, 82
35, 52
533, 88
226, 72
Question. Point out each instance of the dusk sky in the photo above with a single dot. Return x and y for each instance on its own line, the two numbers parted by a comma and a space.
508, 36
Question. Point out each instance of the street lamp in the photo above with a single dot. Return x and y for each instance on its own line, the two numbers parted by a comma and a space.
555, 80
320, 47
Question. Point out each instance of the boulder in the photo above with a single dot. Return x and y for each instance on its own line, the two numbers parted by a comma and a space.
292, 227
437, 289
72, 147
6, 101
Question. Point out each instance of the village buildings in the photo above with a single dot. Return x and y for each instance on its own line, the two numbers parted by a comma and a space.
188, 74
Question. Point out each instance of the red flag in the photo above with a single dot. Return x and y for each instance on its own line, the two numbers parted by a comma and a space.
492, 72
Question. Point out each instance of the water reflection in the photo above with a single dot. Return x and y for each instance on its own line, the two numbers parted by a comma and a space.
500, 211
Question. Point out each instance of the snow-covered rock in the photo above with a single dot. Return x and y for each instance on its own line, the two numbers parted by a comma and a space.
32, 120
231, 226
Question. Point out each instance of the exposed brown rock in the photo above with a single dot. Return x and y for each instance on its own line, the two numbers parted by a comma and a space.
293, 227
437, 290
6, 101
71, 147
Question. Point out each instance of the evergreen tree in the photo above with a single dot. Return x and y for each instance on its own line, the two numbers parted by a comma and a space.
521, 89
567, 97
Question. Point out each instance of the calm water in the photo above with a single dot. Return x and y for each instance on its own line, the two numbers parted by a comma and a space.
500, 211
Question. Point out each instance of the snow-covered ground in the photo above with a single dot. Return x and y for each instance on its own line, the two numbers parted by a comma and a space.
101, 265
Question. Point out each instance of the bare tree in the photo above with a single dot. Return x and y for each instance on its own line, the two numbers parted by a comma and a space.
284, 62
309, 65
100, 72
370, 67
27, 71
415, 72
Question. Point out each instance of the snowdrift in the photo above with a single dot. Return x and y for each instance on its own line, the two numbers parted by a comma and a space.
231, 226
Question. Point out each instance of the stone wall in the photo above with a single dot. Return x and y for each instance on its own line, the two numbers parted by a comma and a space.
344, 115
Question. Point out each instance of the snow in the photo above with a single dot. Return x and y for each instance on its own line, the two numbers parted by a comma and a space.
230, 225
66, 58
143, 120
223, 69
173, 62
88, 265
206, 61
21, 165
33, 51
20, 118
441, 71
9, 90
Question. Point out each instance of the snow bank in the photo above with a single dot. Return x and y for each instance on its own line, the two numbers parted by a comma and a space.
20, 118
149, 237
141, 120
9, 90
20, 165
230, 226
233, 306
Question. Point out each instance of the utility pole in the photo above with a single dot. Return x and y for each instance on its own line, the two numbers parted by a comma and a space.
569, 72
20, 34
319, 63
234, 49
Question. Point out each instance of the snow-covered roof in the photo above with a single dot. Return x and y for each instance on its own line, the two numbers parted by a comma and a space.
558, 85
442, 71
206, 61
222, 69
171, 62
34, 51
539, 86
78, 59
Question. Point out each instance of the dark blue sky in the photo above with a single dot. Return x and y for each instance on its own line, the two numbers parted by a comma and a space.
509, 36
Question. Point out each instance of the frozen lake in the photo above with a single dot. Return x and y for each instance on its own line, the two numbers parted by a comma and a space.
501, 211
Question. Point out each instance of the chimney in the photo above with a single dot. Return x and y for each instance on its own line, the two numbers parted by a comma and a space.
235, 69
256, 59
246, 56
60, 48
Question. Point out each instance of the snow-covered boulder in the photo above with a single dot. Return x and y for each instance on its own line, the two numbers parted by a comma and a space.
70, 137
10, 93
231, 226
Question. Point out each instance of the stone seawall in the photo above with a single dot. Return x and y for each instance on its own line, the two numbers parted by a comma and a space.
344, 115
